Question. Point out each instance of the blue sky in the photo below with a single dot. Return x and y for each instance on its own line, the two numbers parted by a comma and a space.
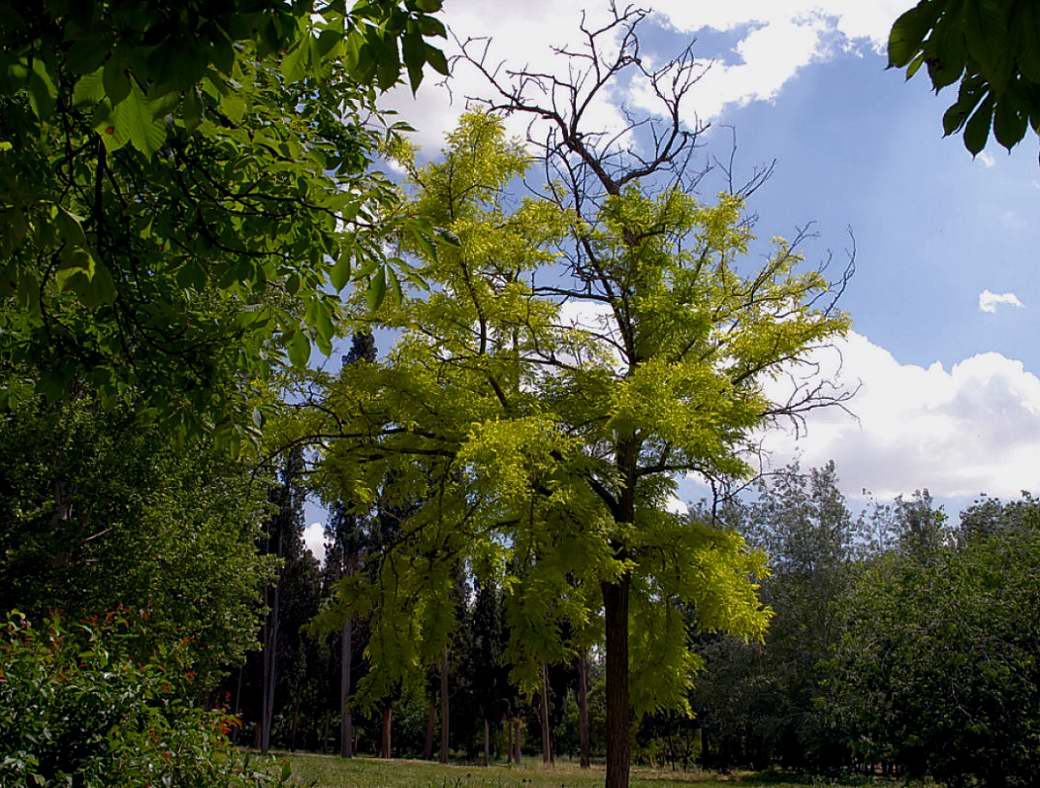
949, 397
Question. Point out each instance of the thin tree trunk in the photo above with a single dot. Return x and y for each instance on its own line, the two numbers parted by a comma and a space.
431, 720
516, 740
615, 604
509, 740
270, 674
295, 725
547, 758
238, 703
445, 728
583, 709
388, 716
346, 733
487, 742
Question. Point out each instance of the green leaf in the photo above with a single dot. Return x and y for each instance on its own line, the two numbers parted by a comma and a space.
1026, 30
70, 227
234, 106
296, 61
340, 273
89, 52
915, 64
90, 88
376, 289
413, 47
133, 120
971, 92
977, 129
299, 349
945, 55
1009, 124
396, 294
429, 6
192, 109
904, 39
42, 92
102, 284
429, 26
116, 80
985, 30
323, 321
436, 59
388, 61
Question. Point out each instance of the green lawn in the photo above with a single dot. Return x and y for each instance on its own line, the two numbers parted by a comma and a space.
330, 770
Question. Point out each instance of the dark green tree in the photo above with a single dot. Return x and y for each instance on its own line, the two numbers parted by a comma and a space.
98, 511
181, 184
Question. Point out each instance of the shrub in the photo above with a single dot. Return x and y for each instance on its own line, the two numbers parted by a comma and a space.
80, 704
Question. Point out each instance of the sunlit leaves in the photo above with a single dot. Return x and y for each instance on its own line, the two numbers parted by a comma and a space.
512, 393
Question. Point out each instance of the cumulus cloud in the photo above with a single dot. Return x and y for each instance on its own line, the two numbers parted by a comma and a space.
314, 540
988, 302
969, 429
777, 38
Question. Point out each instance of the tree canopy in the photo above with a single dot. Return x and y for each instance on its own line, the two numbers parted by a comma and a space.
186, 188
539, 408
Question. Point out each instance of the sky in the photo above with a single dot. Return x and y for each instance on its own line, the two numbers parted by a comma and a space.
945, 301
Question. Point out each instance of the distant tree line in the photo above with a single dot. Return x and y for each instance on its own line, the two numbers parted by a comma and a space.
900, 644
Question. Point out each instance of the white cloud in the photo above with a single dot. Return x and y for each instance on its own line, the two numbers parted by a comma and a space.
988, 302
314, 540
970, 429
676, 505
778, 38
987, 160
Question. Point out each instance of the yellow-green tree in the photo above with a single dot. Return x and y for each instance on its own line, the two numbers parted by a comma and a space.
540, 412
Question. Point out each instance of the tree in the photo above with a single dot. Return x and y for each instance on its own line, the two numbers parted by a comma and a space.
284, 539
759, 702
557, 440
182, 183
992, 47
936, 670
96, 513
346, 539
484, 661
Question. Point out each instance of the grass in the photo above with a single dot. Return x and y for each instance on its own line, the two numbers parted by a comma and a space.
331, 770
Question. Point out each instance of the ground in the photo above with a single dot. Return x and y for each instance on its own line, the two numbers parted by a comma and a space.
330, 770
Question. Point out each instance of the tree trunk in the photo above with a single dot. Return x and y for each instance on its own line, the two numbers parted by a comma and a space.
445, 728
583, 709
295, 725
270, 674
615, 605
238, 704
388, 716
487, 742
509, 740
431, 720
516, 740
547, 758
346, 729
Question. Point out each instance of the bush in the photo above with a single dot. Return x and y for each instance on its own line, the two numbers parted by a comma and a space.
80, 704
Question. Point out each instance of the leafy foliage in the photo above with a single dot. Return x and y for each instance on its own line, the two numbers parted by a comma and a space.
95, 513
504, 419
992, 47
936, 670
181, 184
83, 704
